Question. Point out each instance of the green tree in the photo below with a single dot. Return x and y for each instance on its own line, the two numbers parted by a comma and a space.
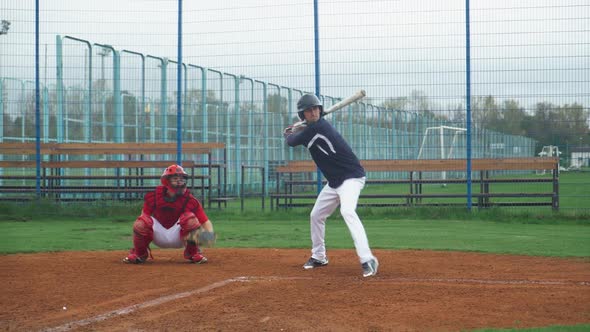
486, 113
457, 114
277, 103
559, 125
399, 103
574, 124
513, 118
4, 27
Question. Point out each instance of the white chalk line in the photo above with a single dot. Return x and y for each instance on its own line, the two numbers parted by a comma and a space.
168, 298
159, 301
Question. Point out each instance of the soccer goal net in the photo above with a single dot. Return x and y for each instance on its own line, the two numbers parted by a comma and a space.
443, 142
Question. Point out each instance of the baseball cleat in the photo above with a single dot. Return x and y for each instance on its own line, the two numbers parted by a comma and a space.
370, 268
194, 255
134, 259
313, 263
198, 259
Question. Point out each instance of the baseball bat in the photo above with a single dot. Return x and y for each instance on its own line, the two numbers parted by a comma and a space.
339, 105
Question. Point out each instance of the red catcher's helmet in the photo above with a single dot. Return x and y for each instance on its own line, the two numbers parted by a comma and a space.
171, 171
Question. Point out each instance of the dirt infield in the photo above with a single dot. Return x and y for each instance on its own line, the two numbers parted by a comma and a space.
267, 290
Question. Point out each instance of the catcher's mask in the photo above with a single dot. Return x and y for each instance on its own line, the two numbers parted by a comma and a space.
306, 102
179, 184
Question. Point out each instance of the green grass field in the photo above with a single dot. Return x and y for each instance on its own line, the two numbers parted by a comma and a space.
547, 239
102, 227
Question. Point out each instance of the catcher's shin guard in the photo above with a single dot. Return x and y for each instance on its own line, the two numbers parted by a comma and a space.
142, 237
140, 251
193, 254
141, 244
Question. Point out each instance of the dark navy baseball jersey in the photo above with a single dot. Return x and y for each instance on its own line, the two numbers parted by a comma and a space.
329, 150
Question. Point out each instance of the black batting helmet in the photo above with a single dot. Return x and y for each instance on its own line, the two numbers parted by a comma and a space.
306, 102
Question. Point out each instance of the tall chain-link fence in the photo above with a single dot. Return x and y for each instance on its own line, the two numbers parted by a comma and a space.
108, 72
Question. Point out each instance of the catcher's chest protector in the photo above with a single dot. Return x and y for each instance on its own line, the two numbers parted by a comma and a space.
169, 212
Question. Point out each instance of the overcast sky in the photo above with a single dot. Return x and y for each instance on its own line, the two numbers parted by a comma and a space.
531, 50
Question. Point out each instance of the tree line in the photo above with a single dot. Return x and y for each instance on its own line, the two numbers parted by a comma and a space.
564, 125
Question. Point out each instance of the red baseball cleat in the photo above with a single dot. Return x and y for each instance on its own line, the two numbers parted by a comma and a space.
134, 258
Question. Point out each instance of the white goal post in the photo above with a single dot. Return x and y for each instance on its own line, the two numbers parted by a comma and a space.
443, 142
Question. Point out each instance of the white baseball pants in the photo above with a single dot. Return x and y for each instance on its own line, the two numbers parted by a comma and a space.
167, 238
347, 195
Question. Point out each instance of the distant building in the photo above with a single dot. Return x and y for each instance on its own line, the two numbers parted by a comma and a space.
580, 157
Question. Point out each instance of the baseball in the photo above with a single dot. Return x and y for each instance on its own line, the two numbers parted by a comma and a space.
65, 308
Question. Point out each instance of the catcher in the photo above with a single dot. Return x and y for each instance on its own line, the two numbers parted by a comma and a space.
171, 218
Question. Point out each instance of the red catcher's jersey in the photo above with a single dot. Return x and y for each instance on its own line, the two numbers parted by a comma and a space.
167, 213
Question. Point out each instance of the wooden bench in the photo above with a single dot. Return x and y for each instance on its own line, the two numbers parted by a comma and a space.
413, 178
89, 171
